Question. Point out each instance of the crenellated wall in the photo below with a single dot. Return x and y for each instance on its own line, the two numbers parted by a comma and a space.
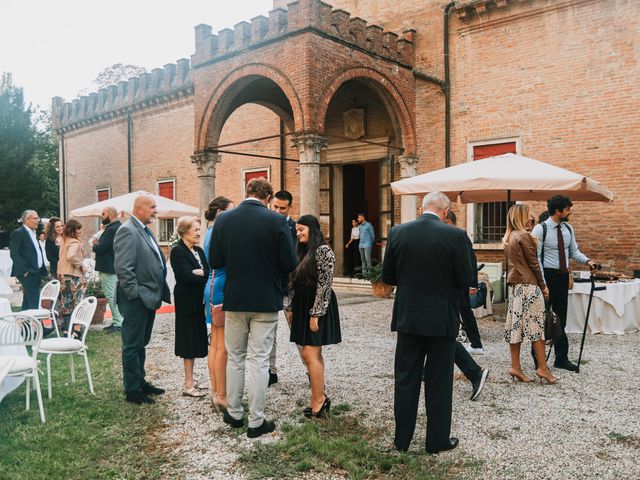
163, 84
299, 16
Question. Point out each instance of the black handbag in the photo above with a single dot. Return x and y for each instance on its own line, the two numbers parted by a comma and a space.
552, 326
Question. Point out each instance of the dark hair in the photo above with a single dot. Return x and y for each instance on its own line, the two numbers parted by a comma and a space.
558, 202
306, 271
215, 206
70, 228
452, 217
259, 188
284, 195
50, 229
543, 216
361, 214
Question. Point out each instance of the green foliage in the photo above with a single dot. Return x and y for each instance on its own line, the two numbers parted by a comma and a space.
28, 159
94, 288
373, 274
342, 444
85, 436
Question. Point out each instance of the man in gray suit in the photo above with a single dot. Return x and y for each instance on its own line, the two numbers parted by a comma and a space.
141, 270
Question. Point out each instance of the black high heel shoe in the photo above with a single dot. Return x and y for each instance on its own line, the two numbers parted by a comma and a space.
323, 412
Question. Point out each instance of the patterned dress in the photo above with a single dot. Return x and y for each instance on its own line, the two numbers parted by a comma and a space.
525, 313
317, 300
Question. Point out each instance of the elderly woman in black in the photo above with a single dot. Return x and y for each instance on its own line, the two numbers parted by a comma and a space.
312, 310
191, 271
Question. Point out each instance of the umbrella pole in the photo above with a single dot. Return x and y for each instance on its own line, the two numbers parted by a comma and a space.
504, 285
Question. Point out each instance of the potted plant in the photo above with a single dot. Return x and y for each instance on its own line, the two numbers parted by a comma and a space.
94, 288
374, 275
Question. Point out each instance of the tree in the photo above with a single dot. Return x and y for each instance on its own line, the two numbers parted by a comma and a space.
28, 160
112, 75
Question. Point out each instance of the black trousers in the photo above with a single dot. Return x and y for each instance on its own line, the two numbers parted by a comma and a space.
137, 325
31, 291
410, 366
469, 321
467, 365
558, 284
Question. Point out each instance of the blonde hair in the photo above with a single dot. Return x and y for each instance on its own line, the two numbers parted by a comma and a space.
517, 219
184, 224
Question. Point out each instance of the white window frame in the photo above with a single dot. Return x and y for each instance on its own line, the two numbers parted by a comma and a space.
471, 207
252, 170
160, 220
103, 189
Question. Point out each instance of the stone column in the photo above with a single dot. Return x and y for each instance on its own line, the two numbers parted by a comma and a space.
408, 205
309, 147
206, 163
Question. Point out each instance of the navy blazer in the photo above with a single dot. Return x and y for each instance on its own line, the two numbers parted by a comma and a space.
254, 245
105, 256
23, 254
429, 262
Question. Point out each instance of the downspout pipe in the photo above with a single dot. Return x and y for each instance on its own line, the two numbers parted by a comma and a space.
447, 88
129, 150
63, 174
283, 166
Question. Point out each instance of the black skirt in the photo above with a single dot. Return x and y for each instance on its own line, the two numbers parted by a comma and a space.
301, 334
191, 335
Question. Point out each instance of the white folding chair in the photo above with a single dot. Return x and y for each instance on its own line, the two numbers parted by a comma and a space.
81, 315
17, 332
49, 293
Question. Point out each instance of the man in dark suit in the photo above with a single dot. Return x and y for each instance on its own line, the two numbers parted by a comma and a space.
254, 244
141, 270
282, 202
28, 259
103, 248
429, 262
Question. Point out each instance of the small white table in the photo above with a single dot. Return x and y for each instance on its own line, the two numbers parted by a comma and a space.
9, 384
615, 310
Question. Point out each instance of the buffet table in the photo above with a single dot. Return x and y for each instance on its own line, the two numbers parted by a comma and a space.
615, 310
8, 384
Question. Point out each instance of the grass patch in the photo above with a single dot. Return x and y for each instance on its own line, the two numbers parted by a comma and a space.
341, 444
85, 436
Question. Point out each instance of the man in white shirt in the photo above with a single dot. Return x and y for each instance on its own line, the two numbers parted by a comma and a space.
28, 259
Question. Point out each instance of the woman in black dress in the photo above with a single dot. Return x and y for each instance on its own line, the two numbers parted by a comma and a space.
53, 239
312, 310
191, 271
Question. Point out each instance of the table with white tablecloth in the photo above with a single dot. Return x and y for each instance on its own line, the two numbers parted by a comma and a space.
9, 384
615, 310
5, 263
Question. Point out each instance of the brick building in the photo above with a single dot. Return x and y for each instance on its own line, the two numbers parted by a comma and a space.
334, 102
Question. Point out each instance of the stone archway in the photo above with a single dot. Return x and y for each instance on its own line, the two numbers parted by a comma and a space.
228, 94
395, 103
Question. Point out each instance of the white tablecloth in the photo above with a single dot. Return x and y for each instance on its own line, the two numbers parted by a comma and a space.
9, 384
482, 311
5, 263
615, 310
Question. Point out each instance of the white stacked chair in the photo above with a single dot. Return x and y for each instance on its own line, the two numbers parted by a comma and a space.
17, 332
50, 291
81, 315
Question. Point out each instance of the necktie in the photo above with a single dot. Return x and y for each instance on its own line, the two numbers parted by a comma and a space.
561, 255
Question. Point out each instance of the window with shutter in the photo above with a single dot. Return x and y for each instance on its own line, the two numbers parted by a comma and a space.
166, 226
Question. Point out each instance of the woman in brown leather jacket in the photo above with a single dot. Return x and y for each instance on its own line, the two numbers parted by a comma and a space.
70, 271
525, 313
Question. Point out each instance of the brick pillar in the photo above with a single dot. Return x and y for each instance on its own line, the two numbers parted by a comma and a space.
309, 147
206, 163
408, 166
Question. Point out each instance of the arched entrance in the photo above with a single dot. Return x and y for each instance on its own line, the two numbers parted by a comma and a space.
364, 128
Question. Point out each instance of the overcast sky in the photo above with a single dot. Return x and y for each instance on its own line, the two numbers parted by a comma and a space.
58, 47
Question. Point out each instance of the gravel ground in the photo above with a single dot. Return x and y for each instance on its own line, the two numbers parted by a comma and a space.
587, 426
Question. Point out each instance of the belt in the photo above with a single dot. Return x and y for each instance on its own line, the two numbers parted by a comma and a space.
554, 270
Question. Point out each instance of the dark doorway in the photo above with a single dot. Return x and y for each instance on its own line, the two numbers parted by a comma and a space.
361, 194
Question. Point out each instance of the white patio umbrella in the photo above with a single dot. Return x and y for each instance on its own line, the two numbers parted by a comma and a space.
507, 177
167, 208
